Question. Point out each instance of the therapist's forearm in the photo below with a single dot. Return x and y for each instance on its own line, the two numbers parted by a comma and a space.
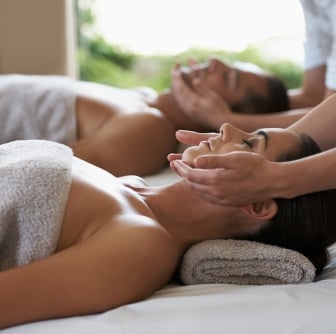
311, 174
312, 91
250, 123
320, 124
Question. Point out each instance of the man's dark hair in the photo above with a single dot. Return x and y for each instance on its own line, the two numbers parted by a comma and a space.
276, 100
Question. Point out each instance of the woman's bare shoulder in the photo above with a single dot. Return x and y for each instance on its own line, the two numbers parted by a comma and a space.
143, 250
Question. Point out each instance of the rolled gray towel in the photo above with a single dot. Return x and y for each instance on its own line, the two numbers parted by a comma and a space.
244, 262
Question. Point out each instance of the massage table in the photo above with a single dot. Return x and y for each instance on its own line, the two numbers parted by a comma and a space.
212, 308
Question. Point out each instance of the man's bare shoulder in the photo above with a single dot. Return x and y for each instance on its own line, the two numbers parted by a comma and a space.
148, 94
106, 93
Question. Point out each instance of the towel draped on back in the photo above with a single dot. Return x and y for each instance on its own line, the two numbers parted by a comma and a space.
35, 179
37, 107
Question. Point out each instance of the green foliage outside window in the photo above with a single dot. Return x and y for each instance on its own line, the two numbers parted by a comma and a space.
102, 62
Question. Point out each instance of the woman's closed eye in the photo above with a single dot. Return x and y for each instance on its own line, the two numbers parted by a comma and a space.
249, 143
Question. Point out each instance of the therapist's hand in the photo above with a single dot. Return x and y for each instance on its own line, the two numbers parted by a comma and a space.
235, 178
189, 138
199, 103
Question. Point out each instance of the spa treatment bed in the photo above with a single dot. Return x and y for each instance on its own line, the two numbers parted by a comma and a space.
212, 308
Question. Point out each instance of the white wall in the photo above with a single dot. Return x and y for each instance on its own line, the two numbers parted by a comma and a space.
37, 37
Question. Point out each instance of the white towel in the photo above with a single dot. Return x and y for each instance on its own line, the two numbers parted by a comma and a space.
37, 107
244, 262
35, 178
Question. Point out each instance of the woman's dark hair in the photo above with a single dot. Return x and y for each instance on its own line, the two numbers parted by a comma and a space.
305, 223
276, 99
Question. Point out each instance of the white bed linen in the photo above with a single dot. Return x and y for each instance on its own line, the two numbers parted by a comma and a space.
200, 309
212, 308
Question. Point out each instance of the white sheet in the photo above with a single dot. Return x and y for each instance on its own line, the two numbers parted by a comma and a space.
166, 176
212, 308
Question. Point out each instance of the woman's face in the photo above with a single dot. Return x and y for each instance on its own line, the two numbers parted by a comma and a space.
232, 83
270, 143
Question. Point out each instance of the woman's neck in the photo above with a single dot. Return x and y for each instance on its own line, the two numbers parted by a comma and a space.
186, 216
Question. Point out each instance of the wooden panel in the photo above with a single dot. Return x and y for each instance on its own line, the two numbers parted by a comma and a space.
37, 37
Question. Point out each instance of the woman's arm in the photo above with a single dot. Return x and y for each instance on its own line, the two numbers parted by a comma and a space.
119, 264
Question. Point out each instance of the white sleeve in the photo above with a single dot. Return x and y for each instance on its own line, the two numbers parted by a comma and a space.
317, 39
331, 62
320, 42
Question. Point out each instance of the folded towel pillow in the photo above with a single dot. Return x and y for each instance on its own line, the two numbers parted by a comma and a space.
244, 262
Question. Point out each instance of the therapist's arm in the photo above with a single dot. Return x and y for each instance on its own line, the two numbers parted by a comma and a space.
312, 91
320, 124
319, 174
241, 178
205, 106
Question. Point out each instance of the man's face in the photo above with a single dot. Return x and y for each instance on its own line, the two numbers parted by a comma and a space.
232, 83
269, 143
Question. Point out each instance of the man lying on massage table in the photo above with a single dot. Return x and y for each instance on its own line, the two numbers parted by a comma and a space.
123, 131
116, 241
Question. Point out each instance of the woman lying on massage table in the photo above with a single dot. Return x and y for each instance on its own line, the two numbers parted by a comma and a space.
123, 131
119, 241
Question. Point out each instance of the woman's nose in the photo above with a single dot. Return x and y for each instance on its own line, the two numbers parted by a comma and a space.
228, 132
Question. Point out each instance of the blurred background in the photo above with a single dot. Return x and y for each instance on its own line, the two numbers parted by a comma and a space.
128, 43
142, 39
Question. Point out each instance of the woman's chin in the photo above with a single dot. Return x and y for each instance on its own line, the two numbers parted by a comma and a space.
188, 162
